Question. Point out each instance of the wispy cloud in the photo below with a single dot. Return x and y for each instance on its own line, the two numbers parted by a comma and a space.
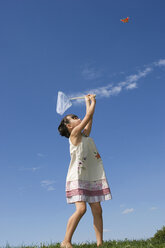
128, 210
89, 72
161, 62
131, 86
48, 185
41, 155
153, 208
130, 82
33, 169
135, 77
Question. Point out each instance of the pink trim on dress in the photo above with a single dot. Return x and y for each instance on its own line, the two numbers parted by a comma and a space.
90, 191
87, 192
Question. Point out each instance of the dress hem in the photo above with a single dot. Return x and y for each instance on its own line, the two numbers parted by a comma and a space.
89, 199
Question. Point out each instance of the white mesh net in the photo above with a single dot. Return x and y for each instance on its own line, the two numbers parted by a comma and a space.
63, 103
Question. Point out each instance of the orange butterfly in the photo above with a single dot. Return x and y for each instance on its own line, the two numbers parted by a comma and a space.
125, 20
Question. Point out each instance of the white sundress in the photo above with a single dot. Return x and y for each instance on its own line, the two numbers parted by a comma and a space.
86, 180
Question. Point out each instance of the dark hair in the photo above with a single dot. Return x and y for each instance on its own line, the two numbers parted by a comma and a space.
63, 130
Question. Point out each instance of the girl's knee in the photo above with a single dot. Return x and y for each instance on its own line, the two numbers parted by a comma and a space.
96, 209
81, 211
81, 208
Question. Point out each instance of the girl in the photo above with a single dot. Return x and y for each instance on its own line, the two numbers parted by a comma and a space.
86, 180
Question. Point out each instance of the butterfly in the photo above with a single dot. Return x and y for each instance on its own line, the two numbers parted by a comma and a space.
125, 20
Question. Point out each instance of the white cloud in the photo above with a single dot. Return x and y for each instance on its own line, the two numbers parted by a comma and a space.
153, 208
91, 73
33, 169
41, 155
47, 182
101, 91
48, 185
122, 84
106, 91
131, 86
161, 62
134, 78
128, 210
50, 188
116, 90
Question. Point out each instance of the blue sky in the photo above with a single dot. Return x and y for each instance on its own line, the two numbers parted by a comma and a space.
80, 46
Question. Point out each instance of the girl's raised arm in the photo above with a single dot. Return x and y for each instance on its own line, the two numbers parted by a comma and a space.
88, 127
88, 117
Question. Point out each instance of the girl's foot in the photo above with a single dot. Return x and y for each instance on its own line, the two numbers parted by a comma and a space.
100, 244
66, 245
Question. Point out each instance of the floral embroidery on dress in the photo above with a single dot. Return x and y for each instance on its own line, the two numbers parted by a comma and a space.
97, 155
81, 164
84, 158
89, 185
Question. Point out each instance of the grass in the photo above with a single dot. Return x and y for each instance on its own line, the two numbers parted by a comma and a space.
108, 244
157, 241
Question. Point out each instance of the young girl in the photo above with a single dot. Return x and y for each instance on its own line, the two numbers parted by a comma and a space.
86, 180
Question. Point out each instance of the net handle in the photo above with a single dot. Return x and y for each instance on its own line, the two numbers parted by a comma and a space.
78, 97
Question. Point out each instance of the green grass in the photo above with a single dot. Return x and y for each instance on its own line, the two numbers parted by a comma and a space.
157, 241
108, 244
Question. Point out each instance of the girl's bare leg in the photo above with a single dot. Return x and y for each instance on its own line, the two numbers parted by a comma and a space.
97, 221
73, 222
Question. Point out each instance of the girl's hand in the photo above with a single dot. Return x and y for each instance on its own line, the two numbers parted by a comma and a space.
92, 97
87, 98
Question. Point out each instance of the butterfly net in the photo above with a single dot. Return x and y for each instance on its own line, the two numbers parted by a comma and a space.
63, 103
